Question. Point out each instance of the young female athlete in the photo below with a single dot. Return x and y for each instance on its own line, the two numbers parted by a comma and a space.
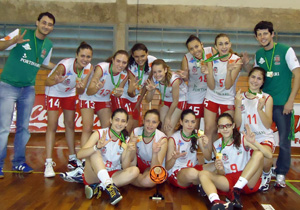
182, 162
108, 79
68, 77
222, 75
151, 148
107, 161
139, 68
237, 170
173, 92
192, 72
255, 109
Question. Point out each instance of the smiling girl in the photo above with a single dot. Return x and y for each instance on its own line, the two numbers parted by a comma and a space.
222, 76
255, 108
173, 92
68, 77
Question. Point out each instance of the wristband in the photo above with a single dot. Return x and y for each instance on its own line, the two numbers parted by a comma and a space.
96, 148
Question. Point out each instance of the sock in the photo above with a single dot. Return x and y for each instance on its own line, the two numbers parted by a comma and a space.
104, 177
72, 157
241, 183
49, 160
266, 173
213, 197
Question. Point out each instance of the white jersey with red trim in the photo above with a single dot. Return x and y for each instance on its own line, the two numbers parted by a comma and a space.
251, 117
220, 95
67, 88
197, 85
144, 150
103, 95
168, 93
135, 72
112, 152
234, 159
190, 159
84, 96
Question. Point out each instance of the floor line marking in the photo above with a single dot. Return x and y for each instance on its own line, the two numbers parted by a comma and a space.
293, 187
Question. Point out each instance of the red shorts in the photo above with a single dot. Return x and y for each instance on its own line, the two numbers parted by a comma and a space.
173, 178
54, 103
141, 165
266, 143
214, 107
181, 104
110, 173
232, 179
116, 103
198, 109
129, 107
85, 104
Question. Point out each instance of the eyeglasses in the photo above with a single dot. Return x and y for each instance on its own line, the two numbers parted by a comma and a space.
224, 126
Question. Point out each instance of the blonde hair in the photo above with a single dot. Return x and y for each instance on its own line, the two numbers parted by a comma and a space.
168, 74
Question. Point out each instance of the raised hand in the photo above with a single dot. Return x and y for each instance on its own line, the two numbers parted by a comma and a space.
245, 58
177, 154
204, 68
134, 84
20, 38
118, 91
261, 103
150, 85
79, 84
102, 142
205, 141
59, 77
249, 135
219, 165
167, 124
131, 145
99, 84
156, 146
183, 74
238, 98
234, 64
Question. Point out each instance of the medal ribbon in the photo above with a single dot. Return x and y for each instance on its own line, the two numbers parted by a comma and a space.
215, 57
188, 137
272, 58
122, 138
163, 96
249, 91
36, 52
224, 145
79, 73
141, 77
112, 77
152, 134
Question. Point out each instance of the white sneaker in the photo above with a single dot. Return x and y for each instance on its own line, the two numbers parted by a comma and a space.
49, 172
280, 181
73, 176
74, 163
265, 182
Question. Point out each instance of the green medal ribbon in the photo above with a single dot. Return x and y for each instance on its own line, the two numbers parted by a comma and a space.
122, 138
188, 137
214, 57
79, 73
163, 96
140, 77
224, 145
199, 60
249, 91
152, 134
112, 78
272, 58
36, 51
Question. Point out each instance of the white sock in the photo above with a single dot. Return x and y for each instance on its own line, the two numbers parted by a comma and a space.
49, 160
241, 183
104, 177
72, 157
266, 173
213, 196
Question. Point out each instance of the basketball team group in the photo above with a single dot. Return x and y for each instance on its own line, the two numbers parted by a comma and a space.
237, 142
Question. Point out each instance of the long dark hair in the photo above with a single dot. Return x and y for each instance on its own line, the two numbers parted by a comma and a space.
121, 110
138, 46
84, 45
235, 135
185, 112
191, 38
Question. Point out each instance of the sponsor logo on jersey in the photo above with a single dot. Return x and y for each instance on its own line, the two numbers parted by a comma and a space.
194, 70
180, 143
225, 157
67, 81
24, 56
103, 150
277, 60
43, 53
69, 73
261, 61
192, 60
26, 46
215, 70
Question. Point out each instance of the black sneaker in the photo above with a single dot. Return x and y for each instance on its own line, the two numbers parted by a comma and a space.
236, 198
201, 191
113, 193
221, 205
91, 190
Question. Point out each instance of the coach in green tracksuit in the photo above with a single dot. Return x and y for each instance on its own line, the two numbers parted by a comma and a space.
29, 50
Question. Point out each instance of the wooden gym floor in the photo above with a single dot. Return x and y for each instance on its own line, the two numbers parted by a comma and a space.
33, 191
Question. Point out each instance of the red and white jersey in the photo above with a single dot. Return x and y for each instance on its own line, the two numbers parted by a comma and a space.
190, 159
220, 95
112, 152
84, 96
234, 159
135, 71
144, 150
197, 80
67, 87
104, 93
168, 93
251, 117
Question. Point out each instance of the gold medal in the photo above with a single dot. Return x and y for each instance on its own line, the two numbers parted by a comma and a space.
219, 156
124, 145
200, 133
198, 64
139, 87
113, 91
78, 79
270, 74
